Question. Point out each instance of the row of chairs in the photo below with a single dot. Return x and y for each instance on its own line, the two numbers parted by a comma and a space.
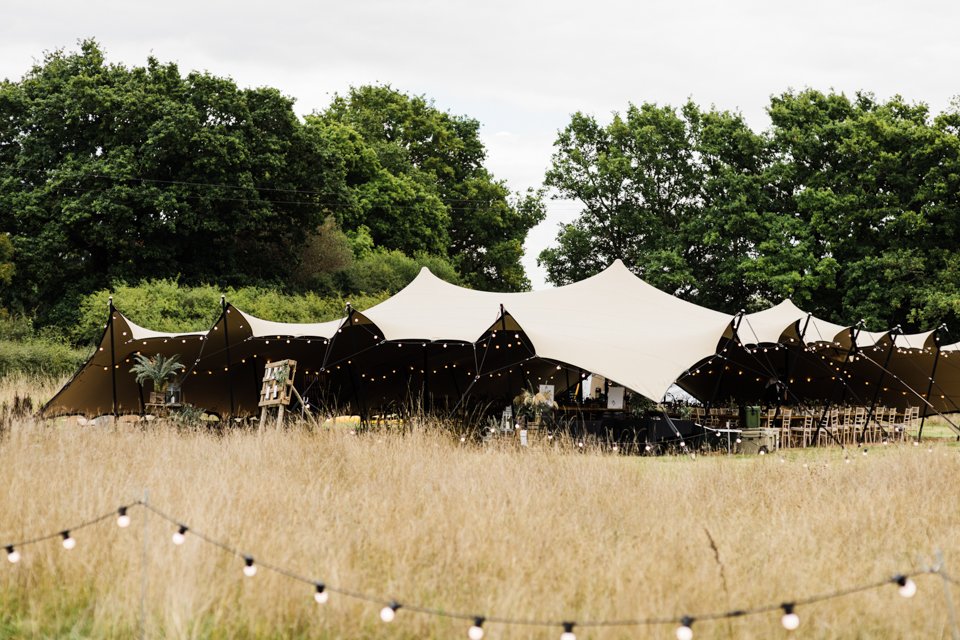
847, 425
797, 427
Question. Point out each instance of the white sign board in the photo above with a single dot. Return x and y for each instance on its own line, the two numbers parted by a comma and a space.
546, 390
615, 398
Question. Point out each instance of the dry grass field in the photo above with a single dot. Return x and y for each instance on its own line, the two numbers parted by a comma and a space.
545, 533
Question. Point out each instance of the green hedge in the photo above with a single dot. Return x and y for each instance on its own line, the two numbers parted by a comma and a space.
41, 357
165, 305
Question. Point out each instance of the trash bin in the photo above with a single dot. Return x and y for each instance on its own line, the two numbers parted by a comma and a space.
751, 417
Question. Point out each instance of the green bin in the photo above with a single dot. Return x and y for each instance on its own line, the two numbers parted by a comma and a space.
751, 418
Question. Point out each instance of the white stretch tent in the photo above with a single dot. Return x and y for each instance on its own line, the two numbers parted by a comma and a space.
612, 324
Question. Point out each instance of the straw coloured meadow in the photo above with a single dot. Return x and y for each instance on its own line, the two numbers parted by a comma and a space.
549, 532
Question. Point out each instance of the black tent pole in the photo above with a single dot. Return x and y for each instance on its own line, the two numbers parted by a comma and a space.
716, 387
426, 380
226, 340
933, 375
883, 372
113, 361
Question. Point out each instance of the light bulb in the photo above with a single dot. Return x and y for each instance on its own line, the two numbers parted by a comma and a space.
476, 631
179, 536
568, 633
249, 568
907, 587
68, 542
322, 595
685, 630
123, 520
13, 555
389, 612
790, 621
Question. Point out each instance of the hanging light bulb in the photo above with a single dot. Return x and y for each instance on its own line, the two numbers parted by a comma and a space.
389, 612
180, 535
321, 595
685, 630
12, 554
68, 541
476, 631
123, 520
249, 568
906, 587
790, 620
568, 633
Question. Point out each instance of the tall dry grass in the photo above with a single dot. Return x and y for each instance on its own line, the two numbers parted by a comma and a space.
540, 533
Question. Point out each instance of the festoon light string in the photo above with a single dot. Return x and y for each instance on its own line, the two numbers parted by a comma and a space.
390, 608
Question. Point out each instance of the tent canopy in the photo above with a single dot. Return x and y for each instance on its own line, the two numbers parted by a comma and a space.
613, 324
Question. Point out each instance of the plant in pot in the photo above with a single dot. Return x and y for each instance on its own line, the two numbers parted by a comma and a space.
159, 370
532, 406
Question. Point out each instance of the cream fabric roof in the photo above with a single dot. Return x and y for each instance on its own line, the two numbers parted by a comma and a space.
260, 328
613, 323
768, 325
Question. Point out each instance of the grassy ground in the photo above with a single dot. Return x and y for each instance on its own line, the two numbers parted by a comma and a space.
545, 532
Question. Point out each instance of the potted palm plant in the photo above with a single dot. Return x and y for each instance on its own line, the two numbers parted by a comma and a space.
159, 370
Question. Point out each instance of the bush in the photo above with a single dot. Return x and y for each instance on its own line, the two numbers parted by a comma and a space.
41, 357
166, 305
383, 270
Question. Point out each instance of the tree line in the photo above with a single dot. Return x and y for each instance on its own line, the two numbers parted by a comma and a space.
112, 174
848, 205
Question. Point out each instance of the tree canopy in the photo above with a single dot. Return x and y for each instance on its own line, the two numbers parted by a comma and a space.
429, 190
111, 173
847, 205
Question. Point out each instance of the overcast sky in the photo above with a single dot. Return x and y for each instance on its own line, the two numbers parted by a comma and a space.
521, 68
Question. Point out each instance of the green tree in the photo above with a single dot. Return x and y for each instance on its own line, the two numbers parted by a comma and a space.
848, 206
676, 194
109, 172
428, 189
875, 184
6, 259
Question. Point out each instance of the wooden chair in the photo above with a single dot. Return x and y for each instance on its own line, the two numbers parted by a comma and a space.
802, 429
766, 420
833, 428
859, 423
786, 415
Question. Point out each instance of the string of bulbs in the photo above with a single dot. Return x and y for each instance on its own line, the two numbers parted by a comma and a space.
790, 619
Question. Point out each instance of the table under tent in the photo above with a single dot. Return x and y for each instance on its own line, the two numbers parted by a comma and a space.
438, 348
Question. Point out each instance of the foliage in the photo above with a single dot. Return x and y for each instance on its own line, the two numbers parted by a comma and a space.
157, 369
529, 403
847, 205
24, 349
40, 357
114, 174
390, 271
166, 305
127, 173
421, 185
7, 268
